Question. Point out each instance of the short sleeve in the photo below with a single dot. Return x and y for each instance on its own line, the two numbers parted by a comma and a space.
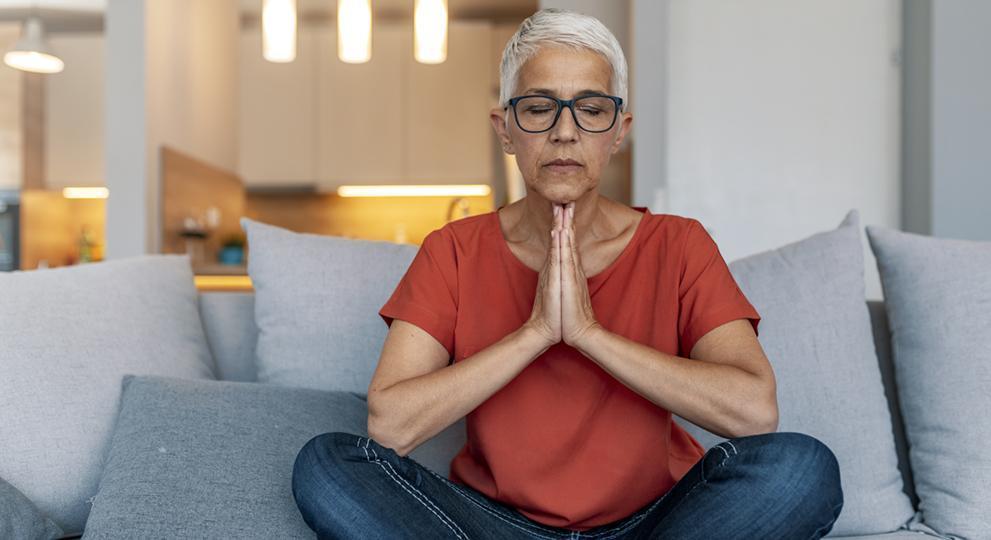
708, 294
427, 293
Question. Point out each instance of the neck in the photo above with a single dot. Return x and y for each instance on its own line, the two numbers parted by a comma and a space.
539, 216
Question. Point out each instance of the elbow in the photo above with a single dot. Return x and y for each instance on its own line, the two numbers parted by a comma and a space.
762, 419
770, 424
383, 429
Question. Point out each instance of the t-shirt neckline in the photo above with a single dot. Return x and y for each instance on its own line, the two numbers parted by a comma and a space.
508, 253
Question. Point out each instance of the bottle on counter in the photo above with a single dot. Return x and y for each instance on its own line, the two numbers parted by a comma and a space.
85, 245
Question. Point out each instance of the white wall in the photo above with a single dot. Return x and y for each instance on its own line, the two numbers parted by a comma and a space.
960, 112
171, 80
74, 112
193, 56
782, 116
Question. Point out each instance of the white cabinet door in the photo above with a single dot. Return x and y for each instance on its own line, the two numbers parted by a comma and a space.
277, 109
390, 120
447, 131
360, 110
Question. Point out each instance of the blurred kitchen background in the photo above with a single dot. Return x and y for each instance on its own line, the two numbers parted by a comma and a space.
151, 126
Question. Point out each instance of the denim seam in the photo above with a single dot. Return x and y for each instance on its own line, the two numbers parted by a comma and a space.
497, 511
634, 522
701, 482
512, 521
613, 532
421, 498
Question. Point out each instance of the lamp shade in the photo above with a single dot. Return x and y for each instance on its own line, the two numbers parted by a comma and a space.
31, 52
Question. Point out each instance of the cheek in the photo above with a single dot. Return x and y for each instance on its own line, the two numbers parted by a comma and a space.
528, 157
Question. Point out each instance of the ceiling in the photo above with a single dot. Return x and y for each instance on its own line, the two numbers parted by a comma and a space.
404, 8
57, 15
87, 15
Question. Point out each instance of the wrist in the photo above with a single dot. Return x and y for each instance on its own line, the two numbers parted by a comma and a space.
586, 337
534, 340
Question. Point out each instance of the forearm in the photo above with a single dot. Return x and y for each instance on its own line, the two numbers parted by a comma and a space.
411, 412
725, 400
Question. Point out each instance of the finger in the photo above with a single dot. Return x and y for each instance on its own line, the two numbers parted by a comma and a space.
559, 275
566, 252
573, 246
576, 267
556, 250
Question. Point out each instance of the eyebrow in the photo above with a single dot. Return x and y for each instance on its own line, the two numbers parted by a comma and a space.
549, 92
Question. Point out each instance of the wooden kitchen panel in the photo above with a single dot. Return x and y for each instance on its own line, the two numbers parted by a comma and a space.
52, 227
395, 219
189, 188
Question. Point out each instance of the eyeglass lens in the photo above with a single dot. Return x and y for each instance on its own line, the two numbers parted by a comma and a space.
593, 113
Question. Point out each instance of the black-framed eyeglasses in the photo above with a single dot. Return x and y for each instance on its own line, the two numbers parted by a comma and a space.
593, 113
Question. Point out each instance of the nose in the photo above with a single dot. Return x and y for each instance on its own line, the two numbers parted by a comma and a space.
565, 129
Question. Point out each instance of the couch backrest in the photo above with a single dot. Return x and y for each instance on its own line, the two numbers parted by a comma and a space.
229, 321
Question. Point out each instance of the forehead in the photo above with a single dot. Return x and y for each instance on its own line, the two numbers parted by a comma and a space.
565, 71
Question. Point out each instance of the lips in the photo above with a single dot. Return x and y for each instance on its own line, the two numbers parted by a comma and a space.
564, 162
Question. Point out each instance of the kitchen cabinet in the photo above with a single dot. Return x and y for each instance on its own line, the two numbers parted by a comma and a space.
277, 131
446, 129
389, 120
360, 112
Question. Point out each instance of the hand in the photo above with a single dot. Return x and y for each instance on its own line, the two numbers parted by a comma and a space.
545, 317
562, 308
577, 315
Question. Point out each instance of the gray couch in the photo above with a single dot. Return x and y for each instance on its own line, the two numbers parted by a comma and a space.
199, 457
228, 319
230, 327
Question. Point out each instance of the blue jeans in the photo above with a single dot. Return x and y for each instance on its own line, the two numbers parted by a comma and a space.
772, 485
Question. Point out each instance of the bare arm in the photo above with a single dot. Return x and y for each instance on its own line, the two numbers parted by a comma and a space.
403, 415
727, 387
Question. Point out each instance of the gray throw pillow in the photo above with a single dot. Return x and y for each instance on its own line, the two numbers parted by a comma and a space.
213, 459
20, 519
68, 335
938, 298
316, 305
816, 332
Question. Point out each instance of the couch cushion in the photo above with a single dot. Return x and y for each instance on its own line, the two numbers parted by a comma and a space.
229, 323
20, 519
816, 332
882, 344
316, 305
938, 298
213, 459
69, 334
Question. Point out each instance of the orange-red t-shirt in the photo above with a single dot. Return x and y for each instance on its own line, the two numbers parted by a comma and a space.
566, 443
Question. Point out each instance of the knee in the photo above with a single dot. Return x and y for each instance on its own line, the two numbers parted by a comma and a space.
318, 464
804, 461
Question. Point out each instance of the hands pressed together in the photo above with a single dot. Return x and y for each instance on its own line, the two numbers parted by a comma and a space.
562, 309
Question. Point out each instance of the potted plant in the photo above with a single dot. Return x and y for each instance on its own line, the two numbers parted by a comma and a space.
232, 249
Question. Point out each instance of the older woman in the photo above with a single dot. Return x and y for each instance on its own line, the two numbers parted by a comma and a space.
568, 328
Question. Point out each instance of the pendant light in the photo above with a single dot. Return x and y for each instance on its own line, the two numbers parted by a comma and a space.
430, 31
354, 31
31, 52
279, 30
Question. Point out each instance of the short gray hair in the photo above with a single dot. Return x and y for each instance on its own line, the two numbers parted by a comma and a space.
555, 26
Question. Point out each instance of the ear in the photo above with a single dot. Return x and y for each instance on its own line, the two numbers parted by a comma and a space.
625, 121
498, 118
